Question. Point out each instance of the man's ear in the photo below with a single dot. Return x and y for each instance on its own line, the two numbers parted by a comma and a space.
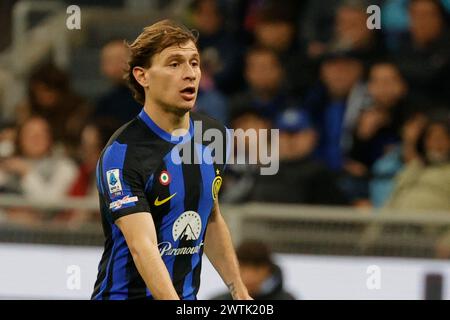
141, 76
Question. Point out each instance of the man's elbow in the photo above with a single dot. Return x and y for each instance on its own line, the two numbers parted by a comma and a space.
142, 247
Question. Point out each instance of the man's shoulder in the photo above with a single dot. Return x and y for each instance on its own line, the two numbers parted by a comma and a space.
128, 133
135, 141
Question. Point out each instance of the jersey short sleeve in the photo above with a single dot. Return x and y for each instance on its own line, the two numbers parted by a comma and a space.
120, 181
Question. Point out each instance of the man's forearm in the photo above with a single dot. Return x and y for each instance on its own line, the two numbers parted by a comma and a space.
220, 252
153, 271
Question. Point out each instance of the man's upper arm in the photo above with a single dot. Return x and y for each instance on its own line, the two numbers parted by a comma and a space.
121, 182
137, 227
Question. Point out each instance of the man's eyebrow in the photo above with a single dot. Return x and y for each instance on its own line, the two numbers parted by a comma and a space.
180, 56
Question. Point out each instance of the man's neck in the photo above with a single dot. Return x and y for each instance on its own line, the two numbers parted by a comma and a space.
166, 120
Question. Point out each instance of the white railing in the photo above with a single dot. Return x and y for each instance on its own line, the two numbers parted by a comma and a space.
12, 201
293, 228
260, 210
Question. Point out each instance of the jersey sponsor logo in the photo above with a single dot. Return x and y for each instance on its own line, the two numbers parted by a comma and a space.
114, 184
187, 227
215, 187
164, 178
161, 202
166, 248
119, 203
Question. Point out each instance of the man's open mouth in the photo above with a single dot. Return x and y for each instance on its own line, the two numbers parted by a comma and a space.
188, 90
188, 93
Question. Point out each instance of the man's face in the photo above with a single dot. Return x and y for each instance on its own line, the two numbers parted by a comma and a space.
174, 77
350, 27
340, 75
207, 17
264, 72
426, 21
45, 96
35, 138
275, 35
386, 85
114, 59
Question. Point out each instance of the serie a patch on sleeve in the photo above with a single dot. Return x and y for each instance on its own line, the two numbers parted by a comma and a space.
114, 184
116, 205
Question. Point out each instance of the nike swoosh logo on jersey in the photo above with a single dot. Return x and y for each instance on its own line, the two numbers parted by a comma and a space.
161, 202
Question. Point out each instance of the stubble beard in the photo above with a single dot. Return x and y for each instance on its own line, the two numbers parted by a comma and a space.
176, 110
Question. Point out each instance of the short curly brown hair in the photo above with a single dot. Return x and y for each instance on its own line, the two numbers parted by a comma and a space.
154, 39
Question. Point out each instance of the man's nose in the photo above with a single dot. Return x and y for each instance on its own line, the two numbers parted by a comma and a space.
189, 73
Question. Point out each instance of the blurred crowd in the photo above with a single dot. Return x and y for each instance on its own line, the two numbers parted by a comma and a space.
364, 115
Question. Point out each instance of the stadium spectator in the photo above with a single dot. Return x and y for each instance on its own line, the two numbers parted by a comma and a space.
424, 53
372, 138
246, 14
34, 171
262, 277
377, 127
384, 169
424, 184
300, 178
275, 28
221, 61
94, 137
316, 26
241, 174
51, 97
118, 103
329, 104
340, 25
221, 53
351, 31
389, 92
265, 78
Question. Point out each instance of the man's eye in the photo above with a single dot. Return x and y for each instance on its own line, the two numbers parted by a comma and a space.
174, 64
195, 63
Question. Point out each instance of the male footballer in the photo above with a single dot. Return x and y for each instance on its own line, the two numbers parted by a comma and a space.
160, 215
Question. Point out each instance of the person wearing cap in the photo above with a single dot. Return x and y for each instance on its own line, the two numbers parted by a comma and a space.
423, 53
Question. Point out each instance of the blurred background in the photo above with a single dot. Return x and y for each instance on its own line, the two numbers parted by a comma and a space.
360, 208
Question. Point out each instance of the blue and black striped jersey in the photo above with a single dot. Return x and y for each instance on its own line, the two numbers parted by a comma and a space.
140, 171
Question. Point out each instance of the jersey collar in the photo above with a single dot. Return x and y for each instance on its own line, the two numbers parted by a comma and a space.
164, 134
